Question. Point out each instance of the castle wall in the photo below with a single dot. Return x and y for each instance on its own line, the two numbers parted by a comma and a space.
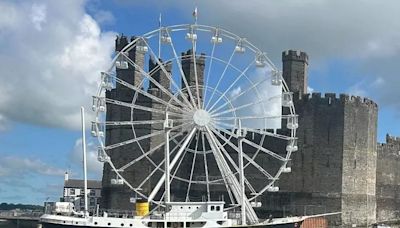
359, 161
334, 168
388, 180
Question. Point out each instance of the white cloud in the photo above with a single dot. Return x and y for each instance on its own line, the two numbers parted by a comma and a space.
21, 166
94, 167
38, 15
51, 58
366, 33
235, 92
3, 123
104, 17
358, 90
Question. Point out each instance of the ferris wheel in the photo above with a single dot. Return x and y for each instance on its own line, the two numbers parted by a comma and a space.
206, 112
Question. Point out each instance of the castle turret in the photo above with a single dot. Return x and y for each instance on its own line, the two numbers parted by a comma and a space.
295, 70
115, 195
159, 76
189, 71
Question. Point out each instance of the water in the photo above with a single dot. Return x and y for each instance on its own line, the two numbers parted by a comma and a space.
18, 224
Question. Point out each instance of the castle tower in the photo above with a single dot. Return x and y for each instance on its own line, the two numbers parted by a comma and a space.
388, 180
117, 196
334, 168
295, 71
189, 71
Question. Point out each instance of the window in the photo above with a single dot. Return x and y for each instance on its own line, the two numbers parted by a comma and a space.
212, 208
92, 192
72, 191
218, 208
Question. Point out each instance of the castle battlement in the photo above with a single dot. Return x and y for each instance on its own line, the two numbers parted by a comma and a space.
333, 98
294, 55
200, 60
120, 42
392, 139
153, 64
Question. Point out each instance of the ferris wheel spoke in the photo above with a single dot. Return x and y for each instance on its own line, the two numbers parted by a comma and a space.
192, 169
173, 162
194, 44
140, 107
215, 150
169, 75
137, 122
232, 162
137, 139
150, 78
127, 183
248, 158
158, 168
148, 153
205, 166
208, 73
251, 88
232, 84
173, 176
240, 107
143, 92
234, 183
254, 117
277, 156
183, 76
258, 131
220, 78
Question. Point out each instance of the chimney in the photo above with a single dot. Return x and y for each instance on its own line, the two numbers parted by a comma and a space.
65, 176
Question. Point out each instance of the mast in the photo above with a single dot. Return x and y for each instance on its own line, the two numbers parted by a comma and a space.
84, 160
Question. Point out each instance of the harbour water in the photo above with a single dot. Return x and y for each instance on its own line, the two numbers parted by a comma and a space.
18, 224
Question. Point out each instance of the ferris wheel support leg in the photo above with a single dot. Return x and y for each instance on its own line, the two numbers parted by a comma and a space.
241, 177
167, 129
242, 134
172, 164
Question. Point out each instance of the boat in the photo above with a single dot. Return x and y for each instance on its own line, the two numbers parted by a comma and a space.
180, 214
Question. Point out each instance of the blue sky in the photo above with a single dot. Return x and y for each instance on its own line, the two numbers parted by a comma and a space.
51, 53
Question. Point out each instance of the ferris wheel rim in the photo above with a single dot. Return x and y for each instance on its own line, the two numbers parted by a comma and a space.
207, 29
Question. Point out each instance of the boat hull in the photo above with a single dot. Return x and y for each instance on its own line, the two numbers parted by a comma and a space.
289, 225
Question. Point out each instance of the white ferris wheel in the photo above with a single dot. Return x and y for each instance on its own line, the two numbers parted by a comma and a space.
226, 125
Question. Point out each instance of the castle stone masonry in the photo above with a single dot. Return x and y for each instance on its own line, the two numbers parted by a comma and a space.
339, 166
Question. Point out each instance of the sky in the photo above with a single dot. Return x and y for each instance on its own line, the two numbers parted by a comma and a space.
51, 53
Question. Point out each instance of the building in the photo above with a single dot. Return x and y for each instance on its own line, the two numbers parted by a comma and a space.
74, 192
337, 168
388, 180
334, 169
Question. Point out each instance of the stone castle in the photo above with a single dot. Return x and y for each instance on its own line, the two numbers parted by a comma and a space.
339, 165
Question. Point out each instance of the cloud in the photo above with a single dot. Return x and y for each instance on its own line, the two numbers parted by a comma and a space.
51, 58
95, 168
366, 33
20, 167
3, 123
104, 17
38, 15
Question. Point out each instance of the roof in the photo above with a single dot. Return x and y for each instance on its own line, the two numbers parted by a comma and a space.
73, 183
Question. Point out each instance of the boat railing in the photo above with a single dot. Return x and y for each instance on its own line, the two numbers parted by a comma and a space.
116, 213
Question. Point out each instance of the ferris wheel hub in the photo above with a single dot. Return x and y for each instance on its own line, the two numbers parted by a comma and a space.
201, 117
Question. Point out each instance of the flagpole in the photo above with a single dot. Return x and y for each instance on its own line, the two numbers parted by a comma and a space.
159, 37
195, 15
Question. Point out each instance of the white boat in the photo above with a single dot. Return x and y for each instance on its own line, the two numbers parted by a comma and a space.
193, 214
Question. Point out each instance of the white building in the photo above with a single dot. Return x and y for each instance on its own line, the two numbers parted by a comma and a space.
74, 192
